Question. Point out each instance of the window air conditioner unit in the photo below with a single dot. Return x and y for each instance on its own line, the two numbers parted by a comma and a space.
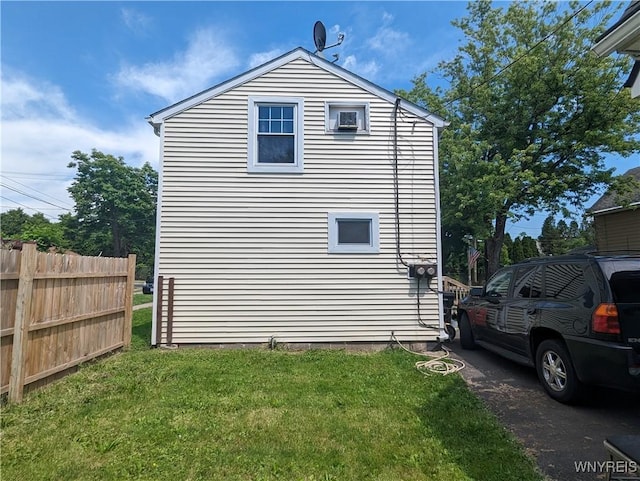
348, 120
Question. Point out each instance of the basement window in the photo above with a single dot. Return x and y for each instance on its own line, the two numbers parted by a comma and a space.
354, 233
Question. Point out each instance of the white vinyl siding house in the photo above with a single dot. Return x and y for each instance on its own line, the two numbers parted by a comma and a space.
253, 245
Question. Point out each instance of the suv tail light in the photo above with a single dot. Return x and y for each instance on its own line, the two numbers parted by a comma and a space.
605, 319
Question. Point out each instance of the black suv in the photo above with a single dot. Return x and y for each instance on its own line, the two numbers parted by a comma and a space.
147, 288
575, 318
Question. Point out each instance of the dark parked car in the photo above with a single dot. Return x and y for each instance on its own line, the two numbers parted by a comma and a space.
147, 288
575, 318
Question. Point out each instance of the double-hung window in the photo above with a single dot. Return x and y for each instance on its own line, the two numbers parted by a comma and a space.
353, 233
275, 135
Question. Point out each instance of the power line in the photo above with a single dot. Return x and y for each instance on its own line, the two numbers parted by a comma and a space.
35, 190
523, 227
27, 207
517, 59
33, 197
17, 203
35, 175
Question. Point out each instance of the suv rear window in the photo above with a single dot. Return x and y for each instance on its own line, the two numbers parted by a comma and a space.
624, 279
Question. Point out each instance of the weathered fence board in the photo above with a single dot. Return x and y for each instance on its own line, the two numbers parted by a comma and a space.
58, 311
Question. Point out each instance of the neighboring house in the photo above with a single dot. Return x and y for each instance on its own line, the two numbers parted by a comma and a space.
617, 221
277, 210
624, 37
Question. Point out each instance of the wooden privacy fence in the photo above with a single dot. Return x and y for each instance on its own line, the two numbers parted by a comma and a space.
58, 311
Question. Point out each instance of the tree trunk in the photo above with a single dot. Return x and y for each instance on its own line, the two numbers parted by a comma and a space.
117, 239
494, 245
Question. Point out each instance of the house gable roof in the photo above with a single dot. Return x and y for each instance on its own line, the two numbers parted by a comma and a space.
624, 35
610, 201
160, 116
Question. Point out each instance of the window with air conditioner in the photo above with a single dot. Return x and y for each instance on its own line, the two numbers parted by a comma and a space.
346, 118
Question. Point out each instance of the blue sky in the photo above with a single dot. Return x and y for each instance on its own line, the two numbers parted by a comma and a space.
83, 75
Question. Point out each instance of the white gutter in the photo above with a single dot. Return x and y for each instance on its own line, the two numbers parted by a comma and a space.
156, 261
620, 38
616, 208
436, 173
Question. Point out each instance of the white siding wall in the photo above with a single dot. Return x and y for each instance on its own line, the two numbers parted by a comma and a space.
249, 251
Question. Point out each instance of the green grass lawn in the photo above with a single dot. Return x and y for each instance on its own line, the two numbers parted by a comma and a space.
199, 414
142, 299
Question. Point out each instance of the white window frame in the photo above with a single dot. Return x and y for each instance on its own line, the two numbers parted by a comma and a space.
253, 166
331, 110
335, 248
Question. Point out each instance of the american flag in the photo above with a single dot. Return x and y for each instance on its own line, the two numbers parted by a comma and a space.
472, 256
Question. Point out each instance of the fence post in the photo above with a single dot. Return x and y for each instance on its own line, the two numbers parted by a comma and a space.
128, 302
28, 258
170, 310
158, 286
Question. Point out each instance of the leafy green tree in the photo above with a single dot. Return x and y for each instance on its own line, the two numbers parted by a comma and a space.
507, 247
115, 206
529, 247
549, 237
588, 232
532, 112
13, 223
560, 238
517, 252
46, 235
85, 239
505, 256
454, 247
563, 231
18, 225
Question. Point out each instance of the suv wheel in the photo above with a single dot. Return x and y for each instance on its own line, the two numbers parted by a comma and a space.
556, 373
466, 335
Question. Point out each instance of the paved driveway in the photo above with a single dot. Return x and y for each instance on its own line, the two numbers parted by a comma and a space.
558, 436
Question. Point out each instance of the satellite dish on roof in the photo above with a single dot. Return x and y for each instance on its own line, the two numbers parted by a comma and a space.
319, 36
320, 39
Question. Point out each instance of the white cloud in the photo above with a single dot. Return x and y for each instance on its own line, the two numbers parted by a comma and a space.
334, 30
387, 40
263, 57
39, 133
19, 96
135, 21
368, 70
384, 56
207, 57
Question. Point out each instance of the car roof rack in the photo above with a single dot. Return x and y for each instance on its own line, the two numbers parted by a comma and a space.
584, 252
